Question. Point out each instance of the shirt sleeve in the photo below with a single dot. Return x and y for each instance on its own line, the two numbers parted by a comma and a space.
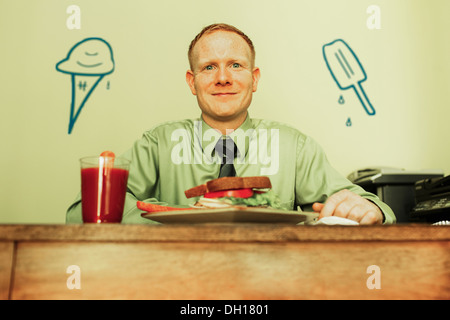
142, 179
316, 179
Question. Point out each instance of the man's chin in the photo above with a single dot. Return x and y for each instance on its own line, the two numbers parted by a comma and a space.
226, 116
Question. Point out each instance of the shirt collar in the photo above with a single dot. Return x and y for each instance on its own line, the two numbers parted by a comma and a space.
241, 136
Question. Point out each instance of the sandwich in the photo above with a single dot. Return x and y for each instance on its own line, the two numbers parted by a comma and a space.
235, 191
224, 193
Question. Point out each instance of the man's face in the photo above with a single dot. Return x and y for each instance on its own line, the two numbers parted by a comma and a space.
223, 76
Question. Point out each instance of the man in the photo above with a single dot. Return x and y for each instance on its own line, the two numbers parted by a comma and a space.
176, 156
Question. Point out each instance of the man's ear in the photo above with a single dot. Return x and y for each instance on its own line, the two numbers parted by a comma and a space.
190, 81
256, 74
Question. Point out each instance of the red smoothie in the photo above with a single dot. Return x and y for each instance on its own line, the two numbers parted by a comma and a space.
103, 195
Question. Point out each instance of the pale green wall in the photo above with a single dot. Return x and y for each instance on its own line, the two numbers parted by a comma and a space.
407, 62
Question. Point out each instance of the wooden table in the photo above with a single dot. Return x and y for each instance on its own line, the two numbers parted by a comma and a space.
224, 261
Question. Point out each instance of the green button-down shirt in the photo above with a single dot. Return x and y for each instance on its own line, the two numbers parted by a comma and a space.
176, 156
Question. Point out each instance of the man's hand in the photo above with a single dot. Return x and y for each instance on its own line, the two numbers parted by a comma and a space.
347, 204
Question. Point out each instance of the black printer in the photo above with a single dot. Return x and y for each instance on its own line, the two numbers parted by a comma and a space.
432, 200
395, 187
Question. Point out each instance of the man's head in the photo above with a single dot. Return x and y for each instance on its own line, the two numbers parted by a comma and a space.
222, 74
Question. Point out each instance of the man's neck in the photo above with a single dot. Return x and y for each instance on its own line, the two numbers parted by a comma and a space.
225, 126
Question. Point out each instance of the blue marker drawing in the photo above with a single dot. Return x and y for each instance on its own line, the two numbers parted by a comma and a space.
346, 70
348, 123
87, 62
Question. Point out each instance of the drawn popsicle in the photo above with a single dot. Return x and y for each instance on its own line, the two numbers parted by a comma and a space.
87, 62
346, 70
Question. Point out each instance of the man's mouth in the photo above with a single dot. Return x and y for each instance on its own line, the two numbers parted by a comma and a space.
223, 94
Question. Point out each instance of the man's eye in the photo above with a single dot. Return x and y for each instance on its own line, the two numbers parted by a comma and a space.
210, 67
236, 65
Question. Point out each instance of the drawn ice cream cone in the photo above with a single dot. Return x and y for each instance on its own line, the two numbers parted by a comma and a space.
87, 62
82, 87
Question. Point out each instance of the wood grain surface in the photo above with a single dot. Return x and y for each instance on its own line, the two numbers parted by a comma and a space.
222, 233
6, 264
225, 262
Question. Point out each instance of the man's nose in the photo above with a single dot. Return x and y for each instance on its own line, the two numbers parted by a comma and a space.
223, 76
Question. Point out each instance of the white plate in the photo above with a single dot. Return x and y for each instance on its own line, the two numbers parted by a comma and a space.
227, 215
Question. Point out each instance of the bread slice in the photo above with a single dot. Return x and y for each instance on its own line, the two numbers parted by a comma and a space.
229, 183
196, 191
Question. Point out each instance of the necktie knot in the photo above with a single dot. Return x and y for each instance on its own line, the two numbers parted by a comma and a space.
227, 151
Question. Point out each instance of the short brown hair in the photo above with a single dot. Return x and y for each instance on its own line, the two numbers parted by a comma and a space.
219, 27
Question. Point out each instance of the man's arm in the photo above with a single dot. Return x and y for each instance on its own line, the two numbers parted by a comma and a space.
331, 193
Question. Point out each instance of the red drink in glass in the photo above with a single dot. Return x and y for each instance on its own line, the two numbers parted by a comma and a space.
103, 190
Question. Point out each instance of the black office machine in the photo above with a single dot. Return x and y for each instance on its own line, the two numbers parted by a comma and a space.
395, 187
432, 200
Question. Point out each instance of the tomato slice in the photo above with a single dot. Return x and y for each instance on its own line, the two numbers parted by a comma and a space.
108, 159
237, 193
109, 154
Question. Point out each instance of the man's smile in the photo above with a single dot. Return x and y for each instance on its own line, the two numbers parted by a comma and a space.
223, 94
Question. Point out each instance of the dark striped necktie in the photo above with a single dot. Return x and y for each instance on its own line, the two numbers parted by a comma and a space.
227, 150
